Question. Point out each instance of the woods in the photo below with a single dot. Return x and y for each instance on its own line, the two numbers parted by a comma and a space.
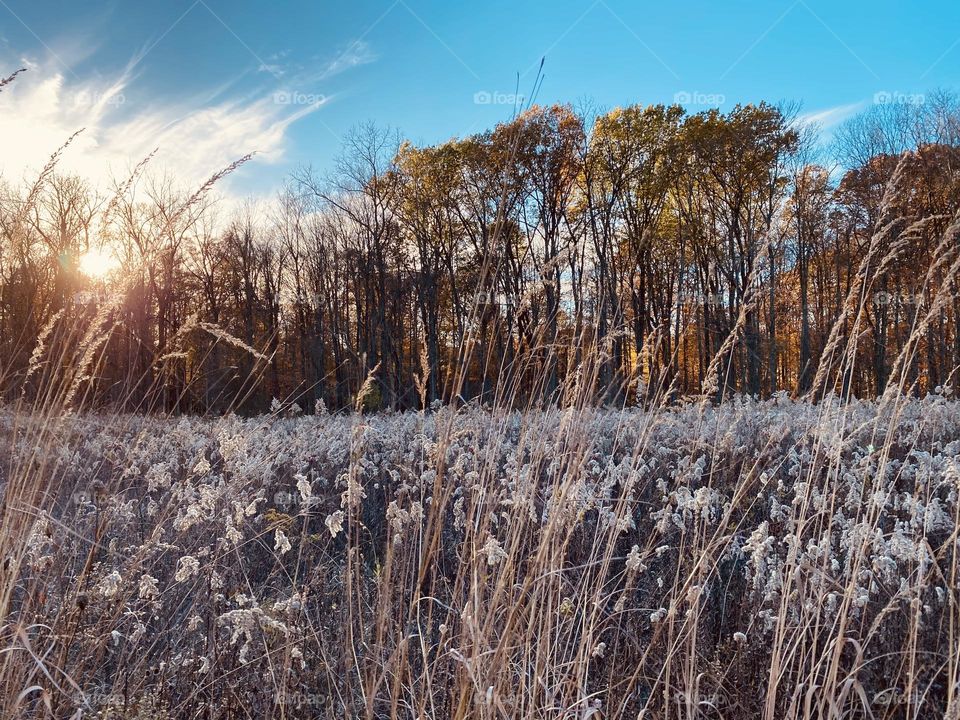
638, 253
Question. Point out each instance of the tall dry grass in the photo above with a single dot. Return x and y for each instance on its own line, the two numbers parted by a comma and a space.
790, 558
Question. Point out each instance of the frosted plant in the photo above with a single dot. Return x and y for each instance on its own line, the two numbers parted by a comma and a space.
354, 493
303, 486
245, 622
110, 585
281, 543
147, 589
534, 535
187, 567
290, 606
231, 533
202, 467
494, 551
334, 523
759, 545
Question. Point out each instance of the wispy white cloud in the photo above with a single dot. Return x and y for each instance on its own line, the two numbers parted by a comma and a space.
294, 72
357, 53
831, 117
195, 136
275, 64
275, 69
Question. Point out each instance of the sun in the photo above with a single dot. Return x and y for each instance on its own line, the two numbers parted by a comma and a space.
98, 263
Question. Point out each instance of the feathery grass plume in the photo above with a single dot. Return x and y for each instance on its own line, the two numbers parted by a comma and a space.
204, 189
42, 178
946, 254
711, 382
10, 78
215, 331
856, 297
222, 335
124, 188
422, 379
42, 337
367, 389
95, 338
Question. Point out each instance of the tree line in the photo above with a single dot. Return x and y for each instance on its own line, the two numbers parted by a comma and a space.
639, 253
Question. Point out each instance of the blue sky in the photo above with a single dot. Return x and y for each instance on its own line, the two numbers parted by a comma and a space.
208, 80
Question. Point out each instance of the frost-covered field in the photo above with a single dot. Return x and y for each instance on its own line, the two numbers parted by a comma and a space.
757, 559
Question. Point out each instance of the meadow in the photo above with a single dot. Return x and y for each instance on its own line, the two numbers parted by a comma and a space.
769, 558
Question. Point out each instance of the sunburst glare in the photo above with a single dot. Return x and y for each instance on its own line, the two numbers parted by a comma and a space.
98, 262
